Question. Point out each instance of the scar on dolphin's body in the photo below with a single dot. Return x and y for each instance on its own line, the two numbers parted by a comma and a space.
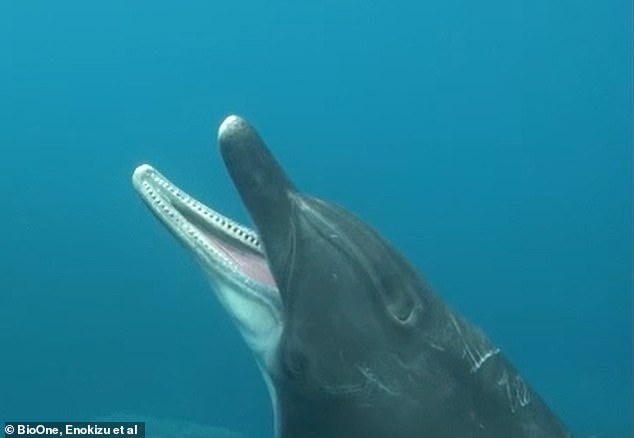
350, 339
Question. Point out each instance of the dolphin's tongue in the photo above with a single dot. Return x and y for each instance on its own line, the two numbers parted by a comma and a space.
262, 185
251, 265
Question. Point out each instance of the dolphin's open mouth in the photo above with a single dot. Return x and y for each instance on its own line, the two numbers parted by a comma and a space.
353, 336
234, 247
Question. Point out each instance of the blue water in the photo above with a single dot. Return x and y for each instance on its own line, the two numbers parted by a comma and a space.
490, 141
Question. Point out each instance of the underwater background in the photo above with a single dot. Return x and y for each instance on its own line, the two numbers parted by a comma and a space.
490, 141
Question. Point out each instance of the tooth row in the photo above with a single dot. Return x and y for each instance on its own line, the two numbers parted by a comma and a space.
247, 236
181, 226
158, 202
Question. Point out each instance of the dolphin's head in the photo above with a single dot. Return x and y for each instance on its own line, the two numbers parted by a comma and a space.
348, 299
327, 306
350, 339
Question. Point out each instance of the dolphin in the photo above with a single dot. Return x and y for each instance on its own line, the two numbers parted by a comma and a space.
350, 339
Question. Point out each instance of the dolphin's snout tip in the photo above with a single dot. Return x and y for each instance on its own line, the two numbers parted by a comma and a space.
229, 125
238, 141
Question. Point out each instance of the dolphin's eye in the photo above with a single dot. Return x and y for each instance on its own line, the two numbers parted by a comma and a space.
405, 311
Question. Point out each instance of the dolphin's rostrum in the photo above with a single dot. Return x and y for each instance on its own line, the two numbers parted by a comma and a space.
350, 339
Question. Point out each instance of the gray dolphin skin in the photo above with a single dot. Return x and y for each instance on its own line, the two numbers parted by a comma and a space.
351, 341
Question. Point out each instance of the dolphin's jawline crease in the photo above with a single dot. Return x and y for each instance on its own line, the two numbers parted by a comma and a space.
334, 365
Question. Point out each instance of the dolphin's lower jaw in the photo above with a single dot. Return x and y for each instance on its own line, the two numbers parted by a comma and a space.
230, 254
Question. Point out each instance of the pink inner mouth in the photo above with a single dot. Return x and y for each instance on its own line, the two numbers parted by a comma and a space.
249, 263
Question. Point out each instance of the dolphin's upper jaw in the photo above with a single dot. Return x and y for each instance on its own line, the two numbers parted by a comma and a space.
230, 254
